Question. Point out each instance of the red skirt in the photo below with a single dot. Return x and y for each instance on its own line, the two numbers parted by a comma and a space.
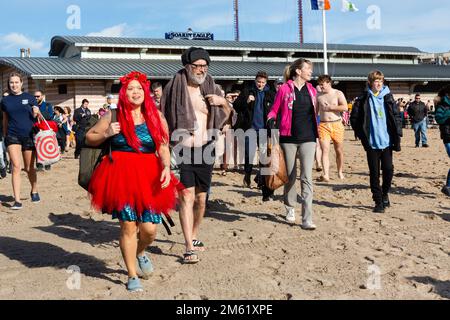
132, 179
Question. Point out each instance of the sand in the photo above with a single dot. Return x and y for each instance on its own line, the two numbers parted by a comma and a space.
252, 252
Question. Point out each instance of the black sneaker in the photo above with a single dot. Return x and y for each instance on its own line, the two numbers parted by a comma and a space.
379, 208
35, 197
446, 190
48, 168
16, 206
3, 173
386, 202
425, 146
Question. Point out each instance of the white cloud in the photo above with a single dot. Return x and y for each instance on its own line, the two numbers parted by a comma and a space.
114, 31
18, 40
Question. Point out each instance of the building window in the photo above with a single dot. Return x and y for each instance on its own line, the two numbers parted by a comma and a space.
62, 89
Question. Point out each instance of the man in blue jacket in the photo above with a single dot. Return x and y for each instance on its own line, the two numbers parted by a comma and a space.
376, 120
47, 112
253, 106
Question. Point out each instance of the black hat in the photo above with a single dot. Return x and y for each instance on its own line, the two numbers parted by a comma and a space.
193, 54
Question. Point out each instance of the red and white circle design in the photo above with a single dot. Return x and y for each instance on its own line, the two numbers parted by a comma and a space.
47, 149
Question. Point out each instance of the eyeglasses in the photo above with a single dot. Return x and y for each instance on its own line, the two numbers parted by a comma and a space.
37, 96
199, 66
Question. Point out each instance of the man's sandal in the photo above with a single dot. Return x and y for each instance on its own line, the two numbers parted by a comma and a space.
190, 257
198, 245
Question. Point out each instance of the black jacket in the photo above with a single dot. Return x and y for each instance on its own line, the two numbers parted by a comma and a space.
417, 111
245, 110
82, 121
360, 120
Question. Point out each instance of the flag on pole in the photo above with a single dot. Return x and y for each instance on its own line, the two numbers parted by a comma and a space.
320, 5
348, 6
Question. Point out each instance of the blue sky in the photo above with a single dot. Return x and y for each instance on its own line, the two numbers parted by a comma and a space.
418, 23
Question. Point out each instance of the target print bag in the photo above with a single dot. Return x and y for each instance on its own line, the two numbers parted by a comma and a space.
47, 148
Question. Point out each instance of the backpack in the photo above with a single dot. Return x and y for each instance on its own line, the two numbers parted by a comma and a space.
48, 112
90, 157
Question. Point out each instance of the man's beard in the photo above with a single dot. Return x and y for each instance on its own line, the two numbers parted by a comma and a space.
194, 79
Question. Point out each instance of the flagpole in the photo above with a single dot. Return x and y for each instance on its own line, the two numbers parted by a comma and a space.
325, 50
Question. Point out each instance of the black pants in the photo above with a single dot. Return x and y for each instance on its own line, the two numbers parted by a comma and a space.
79, 136
248, 168
61, 137
380, 159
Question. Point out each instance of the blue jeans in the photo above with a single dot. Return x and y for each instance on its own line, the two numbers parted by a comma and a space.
420, 128
447, 147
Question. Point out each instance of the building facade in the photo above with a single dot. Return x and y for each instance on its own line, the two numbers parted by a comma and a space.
89, 67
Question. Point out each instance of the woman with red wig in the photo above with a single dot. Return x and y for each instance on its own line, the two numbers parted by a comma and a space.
136, 186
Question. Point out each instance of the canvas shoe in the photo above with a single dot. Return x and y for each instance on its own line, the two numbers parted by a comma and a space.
17, 206
144, 266
134, 285
35, 197
309, 226
290, 215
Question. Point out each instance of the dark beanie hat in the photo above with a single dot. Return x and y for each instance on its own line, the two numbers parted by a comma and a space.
193, 54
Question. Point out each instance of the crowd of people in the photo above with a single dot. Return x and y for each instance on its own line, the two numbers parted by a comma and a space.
163, 144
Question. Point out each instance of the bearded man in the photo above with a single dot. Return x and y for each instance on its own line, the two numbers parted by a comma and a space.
193, 107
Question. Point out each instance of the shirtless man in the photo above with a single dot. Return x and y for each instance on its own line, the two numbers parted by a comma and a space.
202, 110
331, 103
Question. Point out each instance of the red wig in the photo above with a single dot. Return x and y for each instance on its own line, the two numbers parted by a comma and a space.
148, 109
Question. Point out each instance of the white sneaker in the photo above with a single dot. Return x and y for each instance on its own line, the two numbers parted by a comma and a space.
290, 216
309, 226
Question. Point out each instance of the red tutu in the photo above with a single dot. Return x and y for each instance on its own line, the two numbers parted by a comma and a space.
132, 179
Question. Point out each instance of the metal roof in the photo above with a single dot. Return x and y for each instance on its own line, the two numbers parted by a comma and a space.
58, 43
75, 68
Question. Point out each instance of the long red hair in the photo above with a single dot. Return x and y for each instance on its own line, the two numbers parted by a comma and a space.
148, 109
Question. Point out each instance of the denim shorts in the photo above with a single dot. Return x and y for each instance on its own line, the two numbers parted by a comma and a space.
27, 143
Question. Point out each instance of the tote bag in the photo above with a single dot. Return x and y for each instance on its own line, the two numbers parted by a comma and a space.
47, 148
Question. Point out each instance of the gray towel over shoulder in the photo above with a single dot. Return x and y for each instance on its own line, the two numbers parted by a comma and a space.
177, 107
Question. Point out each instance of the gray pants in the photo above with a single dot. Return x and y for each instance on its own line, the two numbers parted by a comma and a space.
306, 152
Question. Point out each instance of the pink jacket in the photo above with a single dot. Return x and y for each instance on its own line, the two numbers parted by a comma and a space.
284, 102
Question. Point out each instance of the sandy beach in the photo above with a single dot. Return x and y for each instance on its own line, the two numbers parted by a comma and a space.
252, 252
